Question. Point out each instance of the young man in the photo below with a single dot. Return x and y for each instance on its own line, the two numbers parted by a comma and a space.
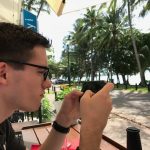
23, 80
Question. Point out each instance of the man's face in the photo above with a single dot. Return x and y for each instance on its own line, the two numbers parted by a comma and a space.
27, 86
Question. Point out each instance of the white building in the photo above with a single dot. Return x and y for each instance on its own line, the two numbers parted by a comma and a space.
10, 11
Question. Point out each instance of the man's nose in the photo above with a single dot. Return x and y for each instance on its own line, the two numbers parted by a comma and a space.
47, 83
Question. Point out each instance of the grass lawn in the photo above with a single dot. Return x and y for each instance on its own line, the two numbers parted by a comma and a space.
132, 88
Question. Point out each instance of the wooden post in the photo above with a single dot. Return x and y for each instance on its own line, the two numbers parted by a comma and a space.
148, 86
136, 86
40, 114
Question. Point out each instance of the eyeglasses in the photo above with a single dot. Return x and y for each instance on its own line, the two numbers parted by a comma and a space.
45, 74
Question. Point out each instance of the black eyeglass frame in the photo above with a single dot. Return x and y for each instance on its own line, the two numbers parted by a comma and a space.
45, 74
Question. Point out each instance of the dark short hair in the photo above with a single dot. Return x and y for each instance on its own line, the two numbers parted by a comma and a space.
17, 42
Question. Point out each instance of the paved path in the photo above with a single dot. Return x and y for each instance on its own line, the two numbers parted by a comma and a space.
129, 109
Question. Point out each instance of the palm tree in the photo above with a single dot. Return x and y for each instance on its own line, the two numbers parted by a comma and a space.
91, 19
129, 5
90, 23
79, 47
146, 7
103, 36
109, 27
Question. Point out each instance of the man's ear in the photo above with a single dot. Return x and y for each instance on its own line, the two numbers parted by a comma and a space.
3, 72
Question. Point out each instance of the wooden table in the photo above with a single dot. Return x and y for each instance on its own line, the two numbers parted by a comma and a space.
38, 133
19, 125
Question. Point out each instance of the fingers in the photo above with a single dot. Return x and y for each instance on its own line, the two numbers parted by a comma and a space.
88, 94
103, 94
74, 94
107, 88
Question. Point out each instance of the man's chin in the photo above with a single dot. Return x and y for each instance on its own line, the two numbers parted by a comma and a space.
33, 109
36, 108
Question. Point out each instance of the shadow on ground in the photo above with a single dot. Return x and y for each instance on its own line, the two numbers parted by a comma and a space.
135, 103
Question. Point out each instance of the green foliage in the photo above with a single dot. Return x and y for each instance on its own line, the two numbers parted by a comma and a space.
140, 90
132, 88
46, 109
61, 94
101, 40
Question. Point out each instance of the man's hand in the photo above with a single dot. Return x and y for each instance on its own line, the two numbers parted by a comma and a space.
94, 111
70, 110
95, 108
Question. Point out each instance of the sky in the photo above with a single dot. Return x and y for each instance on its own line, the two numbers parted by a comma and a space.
56, 27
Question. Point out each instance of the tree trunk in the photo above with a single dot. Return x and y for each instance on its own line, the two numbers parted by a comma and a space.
92, 69
118, 80
124, 79
92, 55
41, 6
134, 45
99, 75
108, 76
127, 81
143, 74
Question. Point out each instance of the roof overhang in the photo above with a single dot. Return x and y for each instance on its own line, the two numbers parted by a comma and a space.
65, 6
57, 6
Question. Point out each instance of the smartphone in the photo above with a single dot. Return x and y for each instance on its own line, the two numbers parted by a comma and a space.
94, 86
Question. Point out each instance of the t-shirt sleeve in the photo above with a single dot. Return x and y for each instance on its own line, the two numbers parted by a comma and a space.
12, 142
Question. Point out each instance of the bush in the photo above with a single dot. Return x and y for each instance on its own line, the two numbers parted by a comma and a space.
61, 94
46, 109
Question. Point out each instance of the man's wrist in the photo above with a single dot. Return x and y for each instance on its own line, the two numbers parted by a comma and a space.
91, 125
90, 138
60, 128
63, 120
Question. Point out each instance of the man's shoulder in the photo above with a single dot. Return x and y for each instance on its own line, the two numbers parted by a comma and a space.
3, 132
5, 127
4, 123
